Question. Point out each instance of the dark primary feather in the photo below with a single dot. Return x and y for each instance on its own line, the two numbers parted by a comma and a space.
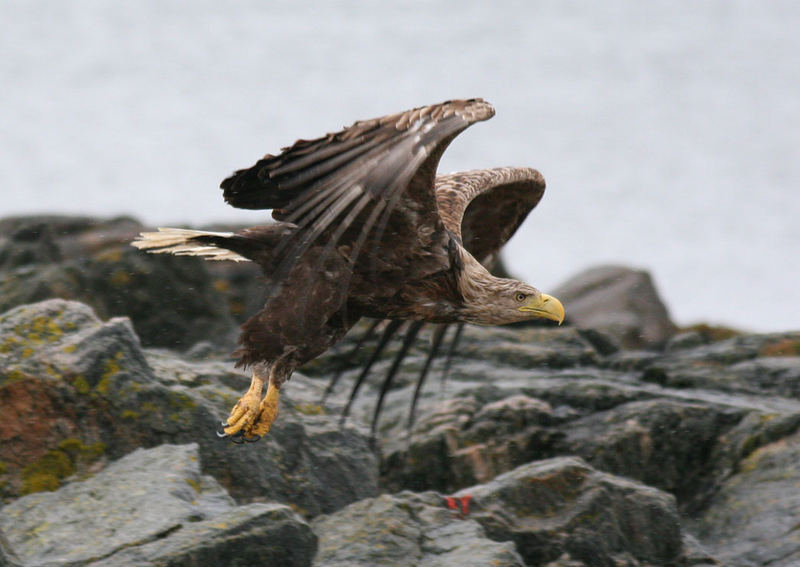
345, 188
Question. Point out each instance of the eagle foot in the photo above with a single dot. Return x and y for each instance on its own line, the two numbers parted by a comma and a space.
251, 419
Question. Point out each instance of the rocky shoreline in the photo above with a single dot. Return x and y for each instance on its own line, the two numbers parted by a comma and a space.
614, 440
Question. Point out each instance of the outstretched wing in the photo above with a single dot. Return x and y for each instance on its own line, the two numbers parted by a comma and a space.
346, 187
485, 207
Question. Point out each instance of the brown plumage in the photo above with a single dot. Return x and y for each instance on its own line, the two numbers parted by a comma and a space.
365, 228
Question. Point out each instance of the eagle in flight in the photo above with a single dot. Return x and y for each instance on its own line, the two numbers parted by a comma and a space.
365, 228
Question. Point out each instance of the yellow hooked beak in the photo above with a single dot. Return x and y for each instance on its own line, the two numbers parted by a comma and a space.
545, 306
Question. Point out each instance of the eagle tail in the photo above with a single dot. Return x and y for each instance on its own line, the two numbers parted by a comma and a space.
187, 242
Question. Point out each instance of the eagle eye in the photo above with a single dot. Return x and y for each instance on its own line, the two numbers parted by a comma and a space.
520, 296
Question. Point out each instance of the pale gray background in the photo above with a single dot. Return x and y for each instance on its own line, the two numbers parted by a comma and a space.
669, 132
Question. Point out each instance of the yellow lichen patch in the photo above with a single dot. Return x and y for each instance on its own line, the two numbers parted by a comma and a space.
27, 352
222, 286
46, 473
785, 347
51, 371
130, 414
39, 330
112, 255
80, 384
78, 451
120, 278
69, 349
194, 484
8, 344
110, 368
14, 375
712, 332
310, 409
181, 401
236, 307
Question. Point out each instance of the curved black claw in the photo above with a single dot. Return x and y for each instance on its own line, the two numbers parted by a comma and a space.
238, 437
221, 433
252, 439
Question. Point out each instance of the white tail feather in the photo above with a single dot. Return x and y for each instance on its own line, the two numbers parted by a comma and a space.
178, 241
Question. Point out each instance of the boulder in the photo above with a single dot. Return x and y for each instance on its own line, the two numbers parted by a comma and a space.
407, 530
563, 506
620, 301
150, 508
560, 511
77, 393
173, 302
754, 516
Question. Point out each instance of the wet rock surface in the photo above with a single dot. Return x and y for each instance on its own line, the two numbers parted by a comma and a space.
620, 301
77, 392
544, 446
152, 507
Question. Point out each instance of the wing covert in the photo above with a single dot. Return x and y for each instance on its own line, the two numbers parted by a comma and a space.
485, 207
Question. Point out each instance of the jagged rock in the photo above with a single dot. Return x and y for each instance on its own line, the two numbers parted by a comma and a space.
150, 508
753, 364
172, 302
712, 418
7, 556
620, 301
77, 392
665, 443
753, 519
551, 510
407, 529
562, 505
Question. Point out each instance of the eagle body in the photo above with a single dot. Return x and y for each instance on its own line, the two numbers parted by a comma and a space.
365, 228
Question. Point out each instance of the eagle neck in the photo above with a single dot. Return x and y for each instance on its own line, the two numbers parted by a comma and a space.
475, 284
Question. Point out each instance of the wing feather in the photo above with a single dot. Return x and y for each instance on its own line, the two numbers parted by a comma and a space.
485, 207
346, 187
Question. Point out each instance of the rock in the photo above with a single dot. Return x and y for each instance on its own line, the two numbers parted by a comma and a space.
173, 302
549, 508
753, 364
712, 418
753, 518
559, 510
407, 529
77, 393
665, 443
620, 301
151, 507
7, 556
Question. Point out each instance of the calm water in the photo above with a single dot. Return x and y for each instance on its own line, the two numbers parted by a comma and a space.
669, 132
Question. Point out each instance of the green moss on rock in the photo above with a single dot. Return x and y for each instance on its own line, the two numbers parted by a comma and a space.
47, 473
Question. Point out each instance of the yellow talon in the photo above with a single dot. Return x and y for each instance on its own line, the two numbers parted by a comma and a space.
243, 413
268, 411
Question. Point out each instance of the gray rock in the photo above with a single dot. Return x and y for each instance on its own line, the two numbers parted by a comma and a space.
753, 519
172, 302
549, 508
665, 443
257, 534
620, 301
7, 556
152, 505
94, 388
753, 364
407, 530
